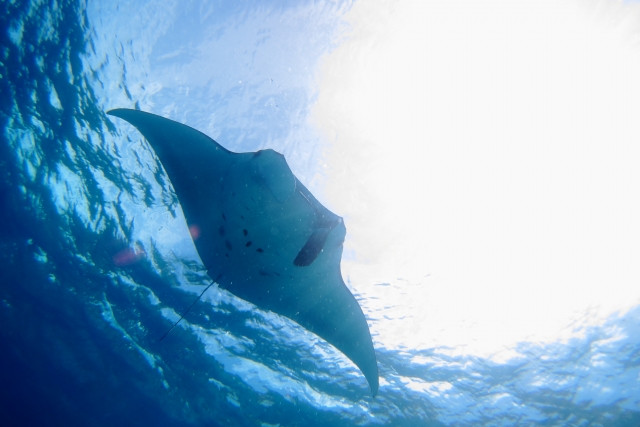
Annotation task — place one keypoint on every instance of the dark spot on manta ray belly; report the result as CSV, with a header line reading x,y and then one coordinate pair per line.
x,y
260,250
228,244
245,232
221,230
248,243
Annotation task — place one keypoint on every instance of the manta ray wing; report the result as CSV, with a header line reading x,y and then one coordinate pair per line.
x,y
263,235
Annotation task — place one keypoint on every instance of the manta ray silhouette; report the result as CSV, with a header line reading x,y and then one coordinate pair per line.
x,y
262,234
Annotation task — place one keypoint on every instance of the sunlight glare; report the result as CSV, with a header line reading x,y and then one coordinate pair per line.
x,y
488,151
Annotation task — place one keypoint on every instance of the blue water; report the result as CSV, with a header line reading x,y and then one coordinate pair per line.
x,y
97,262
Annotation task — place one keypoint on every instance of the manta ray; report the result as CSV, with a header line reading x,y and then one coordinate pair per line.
x,y
261,234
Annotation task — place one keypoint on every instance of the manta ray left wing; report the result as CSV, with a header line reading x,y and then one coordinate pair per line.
x,y
263,235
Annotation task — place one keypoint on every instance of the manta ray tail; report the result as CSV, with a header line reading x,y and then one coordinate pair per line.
x,y
184,313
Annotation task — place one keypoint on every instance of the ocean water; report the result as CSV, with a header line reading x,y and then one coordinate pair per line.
x,y
97,261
